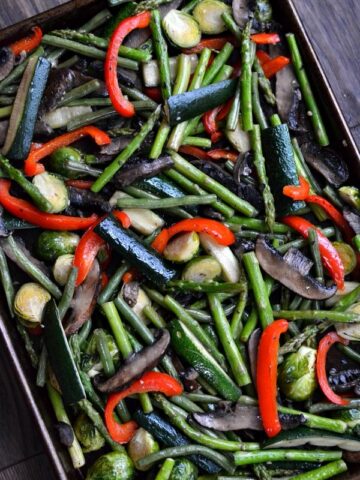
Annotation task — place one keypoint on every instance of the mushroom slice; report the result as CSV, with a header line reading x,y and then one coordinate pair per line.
x,y
7,62
146,359
241,11
289,275
239,418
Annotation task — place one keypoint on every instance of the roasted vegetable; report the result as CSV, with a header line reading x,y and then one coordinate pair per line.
x,y
297,374
181,29
50,245
53,189
141,445
87,434
62,268
112,466
29,303
208,14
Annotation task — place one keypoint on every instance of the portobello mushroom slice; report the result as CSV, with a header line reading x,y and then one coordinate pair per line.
x,y
327,162
4,125
344,380
134,366
88,200
353,218
84,300
145,169
288,274
297,119
7,61
241,10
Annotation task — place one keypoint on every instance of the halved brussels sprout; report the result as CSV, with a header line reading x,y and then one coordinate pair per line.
x,y
29,303
350,331
53,189
141,445
51,244
112,466
208,14
184,470
350,195
347,255
202,269
297,374
89,436
181,29
182,248
62,268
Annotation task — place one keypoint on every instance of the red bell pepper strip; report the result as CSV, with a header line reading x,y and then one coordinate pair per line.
x,y
329,255
149,382
265,38
266,375
104,280
263,56
123,218
194,152
298,192
225,109
27,43
130,275
154,93
218,231
123,106
210,125
81,184
324,346
222,154
49,221
38,152
216,43
275,65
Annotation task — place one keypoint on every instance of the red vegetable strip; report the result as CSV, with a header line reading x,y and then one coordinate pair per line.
x,y
123,106
49,221
329,255
81,184
218,231
104,280
263,56
149,382
123,218
130,275
298,192
265,38
275,65
225,109
38,151
194,152
222,154
27,43
216,43
154,93
323,349
210,125
266,375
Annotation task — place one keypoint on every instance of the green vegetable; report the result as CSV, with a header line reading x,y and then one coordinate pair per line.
x,y
297,374
245,80
64,116
350,195
89,437
69,290
50,244
182,248
141,445
181,29
69,162
165,470
201,269
248,458
112,466
207,287
184,470
151,73
208,14
29,304
62,268
327,471
350,331
25,109
238,138
161,51
53,190
189,347
7,282
126,10
347,256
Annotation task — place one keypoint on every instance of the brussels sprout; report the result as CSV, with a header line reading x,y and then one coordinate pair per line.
x,y
50,245
347,255
202,269
350,331
62,268
350,195
87,434
112,466
183,248
297,374
59,160
184,470
29,303
263,11
91,351
141,445
208,14
53,189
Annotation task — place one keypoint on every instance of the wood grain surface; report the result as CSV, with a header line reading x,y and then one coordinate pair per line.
x,y
334,28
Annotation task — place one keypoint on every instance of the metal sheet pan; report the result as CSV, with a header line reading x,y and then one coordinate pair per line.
x,y
68,14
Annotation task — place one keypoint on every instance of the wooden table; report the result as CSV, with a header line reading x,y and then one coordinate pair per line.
x,y
335,30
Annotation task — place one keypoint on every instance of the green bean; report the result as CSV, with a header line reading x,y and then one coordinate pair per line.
x,y
68,294
189,7
69,62
5,112
236,321
7,282
113,284
138,95
259,225
314,247
322,473
349,352
165,470
301,243
128,151
42,368
202,398
90,391
283,454
347,300
164,203
232,353
245,80
233,115
154,317
161,52
331,316
75,452
104,352
249,325
6,100
219,61
118,329
80,92
86,50
84,332
256,104
207,287
197,142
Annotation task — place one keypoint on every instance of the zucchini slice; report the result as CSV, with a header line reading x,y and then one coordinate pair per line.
x,y
181,29
202,269
303,435
25,109
182,248
208,14
60,356
229,263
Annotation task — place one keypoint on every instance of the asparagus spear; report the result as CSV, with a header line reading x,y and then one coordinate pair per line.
x,y
262,456
256,105
166,469
7,282
331,316
161,52
322,473
245,80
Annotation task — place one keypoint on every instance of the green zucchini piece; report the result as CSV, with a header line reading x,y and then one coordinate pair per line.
x,y
145,259
60,357
50,244
185,106
202,269
13,223
208,14
124,11
187,346
53,189
170,436
181,29
25,109
280,167
321,438
182,248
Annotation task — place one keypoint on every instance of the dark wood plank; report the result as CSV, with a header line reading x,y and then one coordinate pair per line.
x,y
334,29
12,12
37,467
